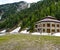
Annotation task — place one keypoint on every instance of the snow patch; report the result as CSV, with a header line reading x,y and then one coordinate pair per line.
x,y
24,32
29,5
56,34
45,33
16,30
35,33
38,33
2,34
3,31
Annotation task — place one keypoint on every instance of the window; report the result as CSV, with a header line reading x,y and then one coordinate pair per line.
x,y
43,25
53,30
48,30
53,25
38,29
36,26
57,30
48,25
57,25
43,30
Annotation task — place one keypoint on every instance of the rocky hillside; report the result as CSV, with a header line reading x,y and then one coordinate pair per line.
x,y
12,8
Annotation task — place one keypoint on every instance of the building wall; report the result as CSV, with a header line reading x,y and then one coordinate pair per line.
x,y
47,27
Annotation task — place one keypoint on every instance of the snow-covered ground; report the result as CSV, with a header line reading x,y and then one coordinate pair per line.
x,y
35,33
3,31
16,30
24,32
45,33
56,34
2,34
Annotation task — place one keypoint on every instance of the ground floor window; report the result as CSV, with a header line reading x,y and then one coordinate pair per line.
x,y
57,30
38,30
48,30
43,30
57,25
53,30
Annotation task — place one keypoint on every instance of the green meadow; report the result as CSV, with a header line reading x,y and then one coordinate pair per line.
x,y
29,42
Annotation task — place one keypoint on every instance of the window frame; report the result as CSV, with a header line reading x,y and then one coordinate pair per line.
x,y
43,30
53,25
43,25
48,24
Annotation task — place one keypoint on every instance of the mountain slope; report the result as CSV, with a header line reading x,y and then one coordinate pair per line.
x,y
13,8
28,17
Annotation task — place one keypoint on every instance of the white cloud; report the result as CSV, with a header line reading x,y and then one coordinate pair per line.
x,y
11,1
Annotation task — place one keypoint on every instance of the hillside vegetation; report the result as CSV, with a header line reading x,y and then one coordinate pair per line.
x,y
29,16
29,42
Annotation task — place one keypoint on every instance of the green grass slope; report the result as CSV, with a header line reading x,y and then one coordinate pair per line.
x,y
29,42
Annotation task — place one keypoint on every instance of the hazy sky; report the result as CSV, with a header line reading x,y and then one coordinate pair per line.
x,y
11,1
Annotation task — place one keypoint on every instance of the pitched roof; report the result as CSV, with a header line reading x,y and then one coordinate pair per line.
x,y
49,19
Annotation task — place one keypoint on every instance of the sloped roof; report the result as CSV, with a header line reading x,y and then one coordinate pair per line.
x,y
49,19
